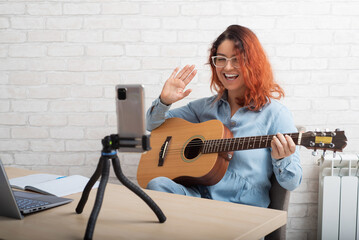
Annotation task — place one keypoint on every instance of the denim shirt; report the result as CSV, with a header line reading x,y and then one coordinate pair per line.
x,y
247,179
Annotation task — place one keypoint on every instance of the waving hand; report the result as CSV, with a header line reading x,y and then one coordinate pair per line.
x,y
174,88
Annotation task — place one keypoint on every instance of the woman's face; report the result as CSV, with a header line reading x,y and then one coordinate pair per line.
x,y
228,72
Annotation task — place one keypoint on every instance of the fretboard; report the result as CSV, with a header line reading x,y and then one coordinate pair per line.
x,y
242,143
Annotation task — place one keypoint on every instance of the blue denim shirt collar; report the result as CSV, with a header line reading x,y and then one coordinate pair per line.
x,y
224,98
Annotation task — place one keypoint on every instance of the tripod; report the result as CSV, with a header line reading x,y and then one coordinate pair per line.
x,y
109,146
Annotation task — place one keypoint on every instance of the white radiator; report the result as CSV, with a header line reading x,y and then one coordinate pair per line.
x,y
338,197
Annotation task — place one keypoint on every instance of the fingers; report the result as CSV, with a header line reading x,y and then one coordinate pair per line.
x,y
282,146
291,144
174,72
190,77
187,92
185,72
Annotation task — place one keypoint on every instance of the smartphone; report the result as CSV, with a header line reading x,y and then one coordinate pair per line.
x,y
130,109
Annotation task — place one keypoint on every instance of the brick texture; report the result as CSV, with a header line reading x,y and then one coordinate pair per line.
x,y
60,62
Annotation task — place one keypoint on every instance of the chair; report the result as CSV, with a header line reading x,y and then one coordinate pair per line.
x,y
279,200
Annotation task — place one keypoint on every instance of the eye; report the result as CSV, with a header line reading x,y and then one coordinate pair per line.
x,y
221,59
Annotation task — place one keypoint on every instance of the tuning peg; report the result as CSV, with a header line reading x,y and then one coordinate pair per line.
x,y
315,153
332,134
337,129
326,130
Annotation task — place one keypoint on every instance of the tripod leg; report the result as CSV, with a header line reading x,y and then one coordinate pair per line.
x,y
138,191
89,185
99,198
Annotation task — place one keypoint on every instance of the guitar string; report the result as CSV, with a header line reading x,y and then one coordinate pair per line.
x,y
179,147
223,143
219,147
244,140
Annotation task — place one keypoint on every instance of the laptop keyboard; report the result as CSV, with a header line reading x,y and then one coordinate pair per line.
x,y
25,203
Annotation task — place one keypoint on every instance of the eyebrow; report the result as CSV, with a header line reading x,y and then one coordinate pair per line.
x,y
221,54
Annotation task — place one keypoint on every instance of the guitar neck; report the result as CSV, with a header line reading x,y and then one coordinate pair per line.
x,y
242,143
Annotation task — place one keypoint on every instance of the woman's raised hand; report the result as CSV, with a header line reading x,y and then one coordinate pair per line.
x,y
174,88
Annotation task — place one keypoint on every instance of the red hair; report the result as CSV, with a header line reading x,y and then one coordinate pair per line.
x,y
255,68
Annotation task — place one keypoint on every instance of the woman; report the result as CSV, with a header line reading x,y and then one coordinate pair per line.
x,y
245,103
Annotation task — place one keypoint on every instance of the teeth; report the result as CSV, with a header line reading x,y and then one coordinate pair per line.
x,y
231,76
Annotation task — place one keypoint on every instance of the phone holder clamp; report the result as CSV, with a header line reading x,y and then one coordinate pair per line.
x,y
110,144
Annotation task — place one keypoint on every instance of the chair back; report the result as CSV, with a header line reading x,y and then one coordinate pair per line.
x,y
279,200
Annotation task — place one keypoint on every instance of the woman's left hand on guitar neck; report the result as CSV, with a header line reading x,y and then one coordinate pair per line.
x,y
282,146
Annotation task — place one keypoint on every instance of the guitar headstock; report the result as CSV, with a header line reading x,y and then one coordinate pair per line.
x,y
324,140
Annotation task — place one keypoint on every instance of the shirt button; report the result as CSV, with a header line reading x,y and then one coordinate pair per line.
x,y
233,123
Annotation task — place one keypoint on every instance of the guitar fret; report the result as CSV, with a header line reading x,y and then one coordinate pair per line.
x,y
208,148
213,148
234,144
248,143
264,142
216,147
206,144
241,143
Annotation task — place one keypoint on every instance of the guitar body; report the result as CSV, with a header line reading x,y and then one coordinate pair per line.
x,y
184,167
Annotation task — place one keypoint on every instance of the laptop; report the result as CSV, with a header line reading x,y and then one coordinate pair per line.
x,y
15,204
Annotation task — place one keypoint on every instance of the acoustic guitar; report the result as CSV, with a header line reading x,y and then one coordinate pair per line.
x,y
199,153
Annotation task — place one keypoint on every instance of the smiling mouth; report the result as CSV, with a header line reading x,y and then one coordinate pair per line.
x,y
230,77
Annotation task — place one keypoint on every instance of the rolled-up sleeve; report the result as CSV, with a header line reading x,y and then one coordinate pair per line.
x,y
159,112
156,114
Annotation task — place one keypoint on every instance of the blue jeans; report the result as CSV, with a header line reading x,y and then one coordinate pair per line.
x,y
164,184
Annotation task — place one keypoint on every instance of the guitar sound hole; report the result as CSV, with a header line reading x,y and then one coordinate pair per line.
x,y
193,148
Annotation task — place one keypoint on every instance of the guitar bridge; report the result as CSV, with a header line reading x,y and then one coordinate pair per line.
x,y
163,151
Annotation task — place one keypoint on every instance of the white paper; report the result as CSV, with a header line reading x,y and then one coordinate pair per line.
x,y
22,182
52,184
63,186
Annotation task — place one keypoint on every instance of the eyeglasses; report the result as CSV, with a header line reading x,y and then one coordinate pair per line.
x,y
221,61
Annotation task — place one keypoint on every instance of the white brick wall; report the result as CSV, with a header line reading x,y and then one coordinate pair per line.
x,y
60,61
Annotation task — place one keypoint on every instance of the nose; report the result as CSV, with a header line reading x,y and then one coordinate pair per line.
x,y
228,65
